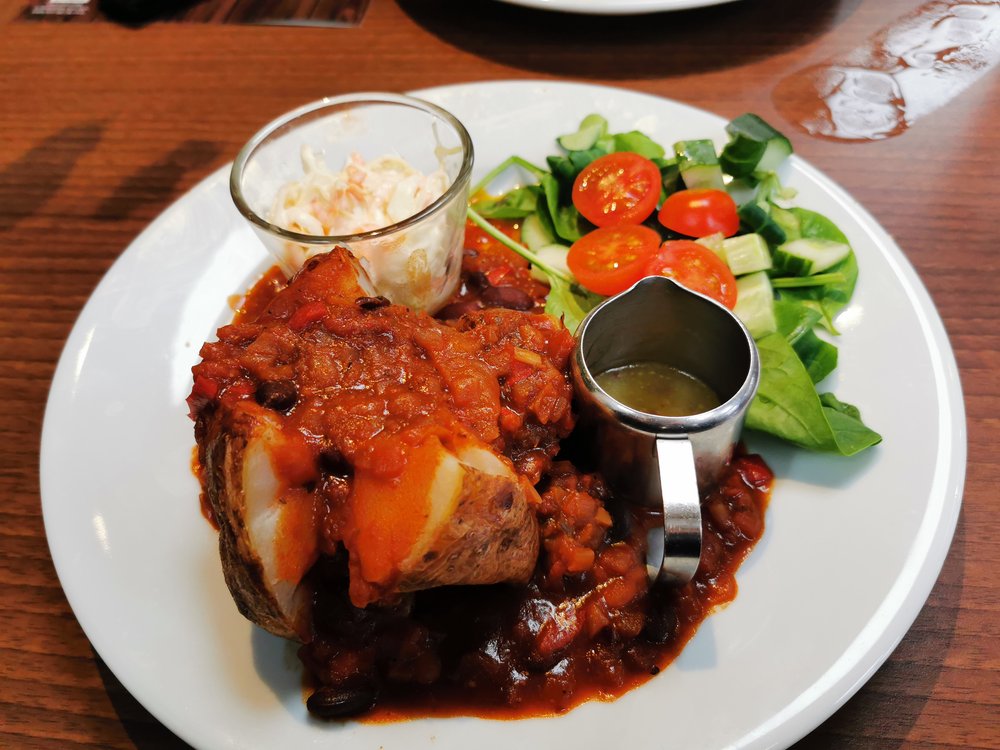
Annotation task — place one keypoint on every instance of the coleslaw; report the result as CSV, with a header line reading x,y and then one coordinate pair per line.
x,y
412,266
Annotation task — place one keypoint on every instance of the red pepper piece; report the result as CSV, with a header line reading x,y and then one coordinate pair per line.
x,y
496,275
306,315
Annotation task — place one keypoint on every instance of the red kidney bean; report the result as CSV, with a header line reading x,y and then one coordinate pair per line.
x,y
279,395
458,309
507,296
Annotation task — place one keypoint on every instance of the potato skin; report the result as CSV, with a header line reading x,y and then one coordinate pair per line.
x,y
224,448
492,537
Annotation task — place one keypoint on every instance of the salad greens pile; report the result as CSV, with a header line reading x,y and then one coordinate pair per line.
x,y
795,269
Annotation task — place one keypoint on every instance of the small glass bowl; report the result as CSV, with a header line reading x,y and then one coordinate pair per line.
x,y
415,261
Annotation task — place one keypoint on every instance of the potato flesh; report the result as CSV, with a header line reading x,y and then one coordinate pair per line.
x,y
267,515
246,493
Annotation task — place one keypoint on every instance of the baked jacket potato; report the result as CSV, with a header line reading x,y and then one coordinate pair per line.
x,y
334,419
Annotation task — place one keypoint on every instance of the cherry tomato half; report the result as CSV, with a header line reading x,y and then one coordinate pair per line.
x,y
620,188
700,212
697,268
611,259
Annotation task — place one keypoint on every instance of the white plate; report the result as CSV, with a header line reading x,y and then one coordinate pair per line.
x,y
615,7
851,550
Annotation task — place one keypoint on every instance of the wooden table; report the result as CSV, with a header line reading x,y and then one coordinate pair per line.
x,y
103,127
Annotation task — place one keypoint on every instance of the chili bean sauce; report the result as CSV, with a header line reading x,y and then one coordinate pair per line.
x,y
586,626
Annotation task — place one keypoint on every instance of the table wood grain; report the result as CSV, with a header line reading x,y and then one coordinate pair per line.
x,y
102,127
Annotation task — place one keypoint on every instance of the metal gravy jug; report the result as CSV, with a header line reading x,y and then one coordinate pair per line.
x,y
660,461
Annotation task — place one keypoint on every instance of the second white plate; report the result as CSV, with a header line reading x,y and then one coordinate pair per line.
x,y
615,7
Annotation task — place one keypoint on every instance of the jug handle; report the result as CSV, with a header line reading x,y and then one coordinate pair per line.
x,y
675,551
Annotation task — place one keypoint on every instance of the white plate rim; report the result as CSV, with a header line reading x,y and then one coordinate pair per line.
x,y
872,646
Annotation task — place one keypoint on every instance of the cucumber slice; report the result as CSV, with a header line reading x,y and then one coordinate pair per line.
x,y
809,256
778,149
699,164
591,129
639,143
553,255
714,242
756,219
534,233
742,190
788,222
605,144
755,304
754,146
747,253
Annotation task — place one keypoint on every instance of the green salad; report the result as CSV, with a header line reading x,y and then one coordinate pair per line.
x,y
611,208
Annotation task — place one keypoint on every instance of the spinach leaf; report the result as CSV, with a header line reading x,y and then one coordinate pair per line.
x,y
845,420
571,302
565,219
795,319
545,218
788,406
812,224
566,168
516,204
582,159
830,401
562,169
796,322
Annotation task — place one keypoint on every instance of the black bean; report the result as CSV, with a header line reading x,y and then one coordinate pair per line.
x,y
640,657
340,703
621,516
333,462
279,395
458,309
333,567
371,303
507,296
661,620
476,281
